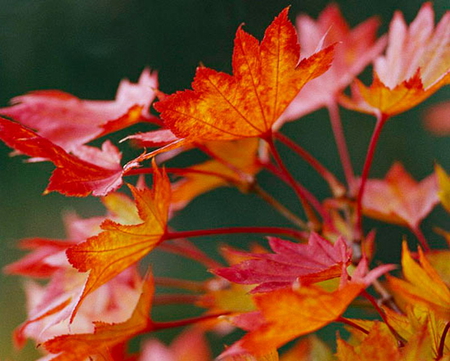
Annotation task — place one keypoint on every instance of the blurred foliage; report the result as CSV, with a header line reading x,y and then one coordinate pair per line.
x,y
86,47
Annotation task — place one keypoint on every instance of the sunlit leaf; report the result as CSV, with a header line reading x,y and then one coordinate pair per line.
x,y
316,261
416,65
266,77
287,314
90,170
421,285
120,246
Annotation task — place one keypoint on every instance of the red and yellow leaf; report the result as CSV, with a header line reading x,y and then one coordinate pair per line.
x,y
421,285
310,348
444,186
91,170
266,78
76,347
390,101
119,246
288,314
378,345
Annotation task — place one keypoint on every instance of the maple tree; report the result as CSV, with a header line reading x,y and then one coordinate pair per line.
x,y
91,300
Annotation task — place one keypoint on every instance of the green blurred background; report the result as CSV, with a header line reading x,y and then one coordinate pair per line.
x,y
86,47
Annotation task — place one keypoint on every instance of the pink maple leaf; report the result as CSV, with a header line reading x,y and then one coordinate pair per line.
x,y
70,122
355,49
316,261
399,198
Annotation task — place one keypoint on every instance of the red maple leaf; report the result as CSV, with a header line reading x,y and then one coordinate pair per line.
x,y
316,261
91,170
70,122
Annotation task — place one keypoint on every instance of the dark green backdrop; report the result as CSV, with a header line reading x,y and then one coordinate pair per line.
x,y
86,47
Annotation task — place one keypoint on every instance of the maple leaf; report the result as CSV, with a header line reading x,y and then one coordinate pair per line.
x,y
91,170
266,77
70,122
399,198
309,349
75,347
316,261
444,186
439,261
415,66
355,49
36,264
121,245
50,306
421,285
421,328
286,314
378,345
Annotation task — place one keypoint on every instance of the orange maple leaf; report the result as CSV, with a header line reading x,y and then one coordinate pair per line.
x,y
266,78
378,345
119,246
76,347
422,285
309,348
288,313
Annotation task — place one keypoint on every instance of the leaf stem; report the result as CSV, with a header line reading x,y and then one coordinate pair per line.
x,y
381,120
171,299
336,187
279,207
193,286
380,311
156,326
352,324
421,238
186,249
341,144
181,172
233,230
440,351
299,190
